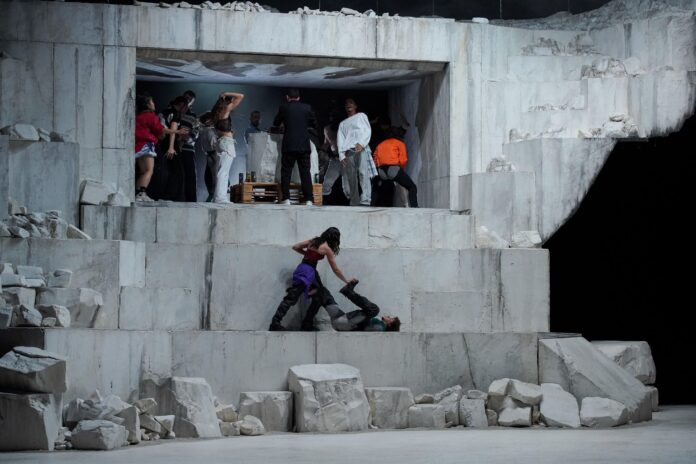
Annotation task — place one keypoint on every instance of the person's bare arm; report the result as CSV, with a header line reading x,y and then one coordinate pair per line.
x,y
328,252
171,151
301,247
237,99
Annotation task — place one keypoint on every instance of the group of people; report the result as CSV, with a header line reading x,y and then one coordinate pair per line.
x,y
167,141
165,151
306,281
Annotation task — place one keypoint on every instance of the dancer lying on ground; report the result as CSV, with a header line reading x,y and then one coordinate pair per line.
x,y
305,275
363,319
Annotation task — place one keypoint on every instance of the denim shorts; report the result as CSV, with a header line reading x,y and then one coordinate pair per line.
x,y
147,150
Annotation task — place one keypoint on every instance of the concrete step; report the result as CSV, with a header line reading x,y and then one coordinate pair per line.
x,y
102,265
279,225
233,362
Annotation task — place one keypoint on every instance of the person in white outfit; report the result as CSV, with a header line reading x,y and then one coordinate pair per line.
x,y
225,155
354,134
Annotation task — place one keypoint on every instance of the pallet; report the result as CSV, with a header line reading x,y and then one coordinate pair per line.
x,y
269,192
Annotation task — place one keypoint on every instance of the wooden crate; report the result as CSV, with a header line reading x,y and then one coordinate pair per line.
x,y
269,192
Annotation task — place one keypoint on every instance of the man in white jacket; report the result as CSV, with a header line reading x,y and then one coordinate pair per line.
x,y
354,153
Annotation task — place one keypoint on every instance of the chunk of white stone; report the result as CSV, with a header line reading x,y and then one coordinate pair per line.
x,y
94,193
558,408
479,20
145,404
48,322
6,268
328,398
96,407
655,397
6,313
426,415
14,280
635,357
633,66
19,232
472,412
477,395
227,413
76,233
230,429
500,164
131,421
526,239
19,296
30,369
513,414
30,272
425,398
21,131
389,406
60,313
251,426
190,399
489,239
492,417
149,423
84,304
60,278
29,421
525,393
498,387
34,283
167,423
26,316
273,408
98,435
602,412
449,400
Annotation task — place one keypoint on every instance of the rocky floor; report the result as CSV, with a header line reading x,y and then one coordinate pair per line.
x,y
667,439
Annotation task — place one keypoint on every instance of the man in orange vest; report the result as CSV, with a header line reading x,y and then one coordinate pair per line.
x,y
391,158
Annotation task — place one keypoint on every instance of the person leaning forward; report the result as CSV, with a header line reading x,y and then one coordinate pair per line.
x,y
297,118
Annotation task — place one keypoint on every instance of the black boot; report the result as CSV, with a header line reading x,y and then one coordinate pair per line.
x,y
349,287
276,327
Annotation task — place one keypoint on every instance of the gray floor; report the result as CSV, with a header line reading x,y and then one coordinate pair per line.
x,y
669,438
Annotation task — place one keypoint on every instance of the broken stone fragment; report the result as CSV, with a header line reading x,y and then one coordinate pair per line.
x,y
99,435
477,395
29,421
131,421
472,412
328,398
19,296
145,404
60,313
34,283
76,233
60,278
167,423
94,193
227,413
26,316
20,131
634,356
14,280
513,414
94,408
84,304
492,417
602,412
274,409
230,429
526,239
149,423
389,406
498,387
525,393
30,369
449,400
558,408
48,322
426,415
425,398
251,426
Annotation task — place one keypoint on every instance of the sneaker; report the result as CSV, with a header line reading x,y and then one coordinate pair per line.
x,y
309,203
350,285
142,196
276,327
285,202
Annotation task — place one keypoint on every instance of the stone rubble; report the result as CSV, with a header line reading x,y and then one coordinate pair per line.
x,y
472,412
61,314
274,409
500,164
84,304
449,400
30,369
328,398
389,406
131,421
98,435
39,225
526,393
251,426
227,413
602,412
514,414
427,415
230,429
558,408
25,316
167,423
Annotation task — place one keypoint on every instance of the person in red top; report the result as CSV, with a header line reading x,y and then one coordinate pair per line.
x,y
148,130
390,158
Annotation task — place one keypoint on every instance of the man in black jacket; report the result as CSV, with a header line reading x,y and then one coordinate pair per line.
x,y
297,118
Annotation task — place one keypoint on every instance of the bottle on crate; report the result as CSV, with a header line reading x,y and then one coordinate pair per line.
x,y
241,177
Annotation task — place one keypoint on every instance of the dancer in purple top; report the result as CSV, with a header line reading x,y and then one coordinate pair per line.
x,y
305,275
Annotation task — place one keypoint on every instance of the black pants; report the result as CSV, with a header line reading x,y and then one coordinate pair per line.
x,y
356,320
287,163
398,175
188,158
292,296
209,176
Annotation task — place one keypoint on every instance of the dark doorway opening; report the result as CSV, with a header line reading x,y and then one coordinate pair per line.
x,y
622,266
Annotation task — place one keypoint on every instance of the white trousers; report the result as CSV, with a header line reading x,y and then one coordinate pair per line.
x,y
223,163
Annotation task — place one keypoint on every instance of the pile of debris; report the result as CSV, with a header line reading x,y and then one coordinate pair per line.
x,y
344,12
31,298
208,5
29,133
23,224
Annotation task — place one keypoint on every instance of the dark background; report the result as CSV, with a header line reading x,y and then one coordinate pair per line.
x,y
457,9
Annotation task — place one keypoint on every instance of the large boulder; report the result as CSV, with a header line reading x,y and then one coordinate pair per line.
x,y
190,399
328,398
558,407
635,357
274,409
389,406
98,435
32,369
581,369
426,415
472,412
602,412
29,421
449,400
